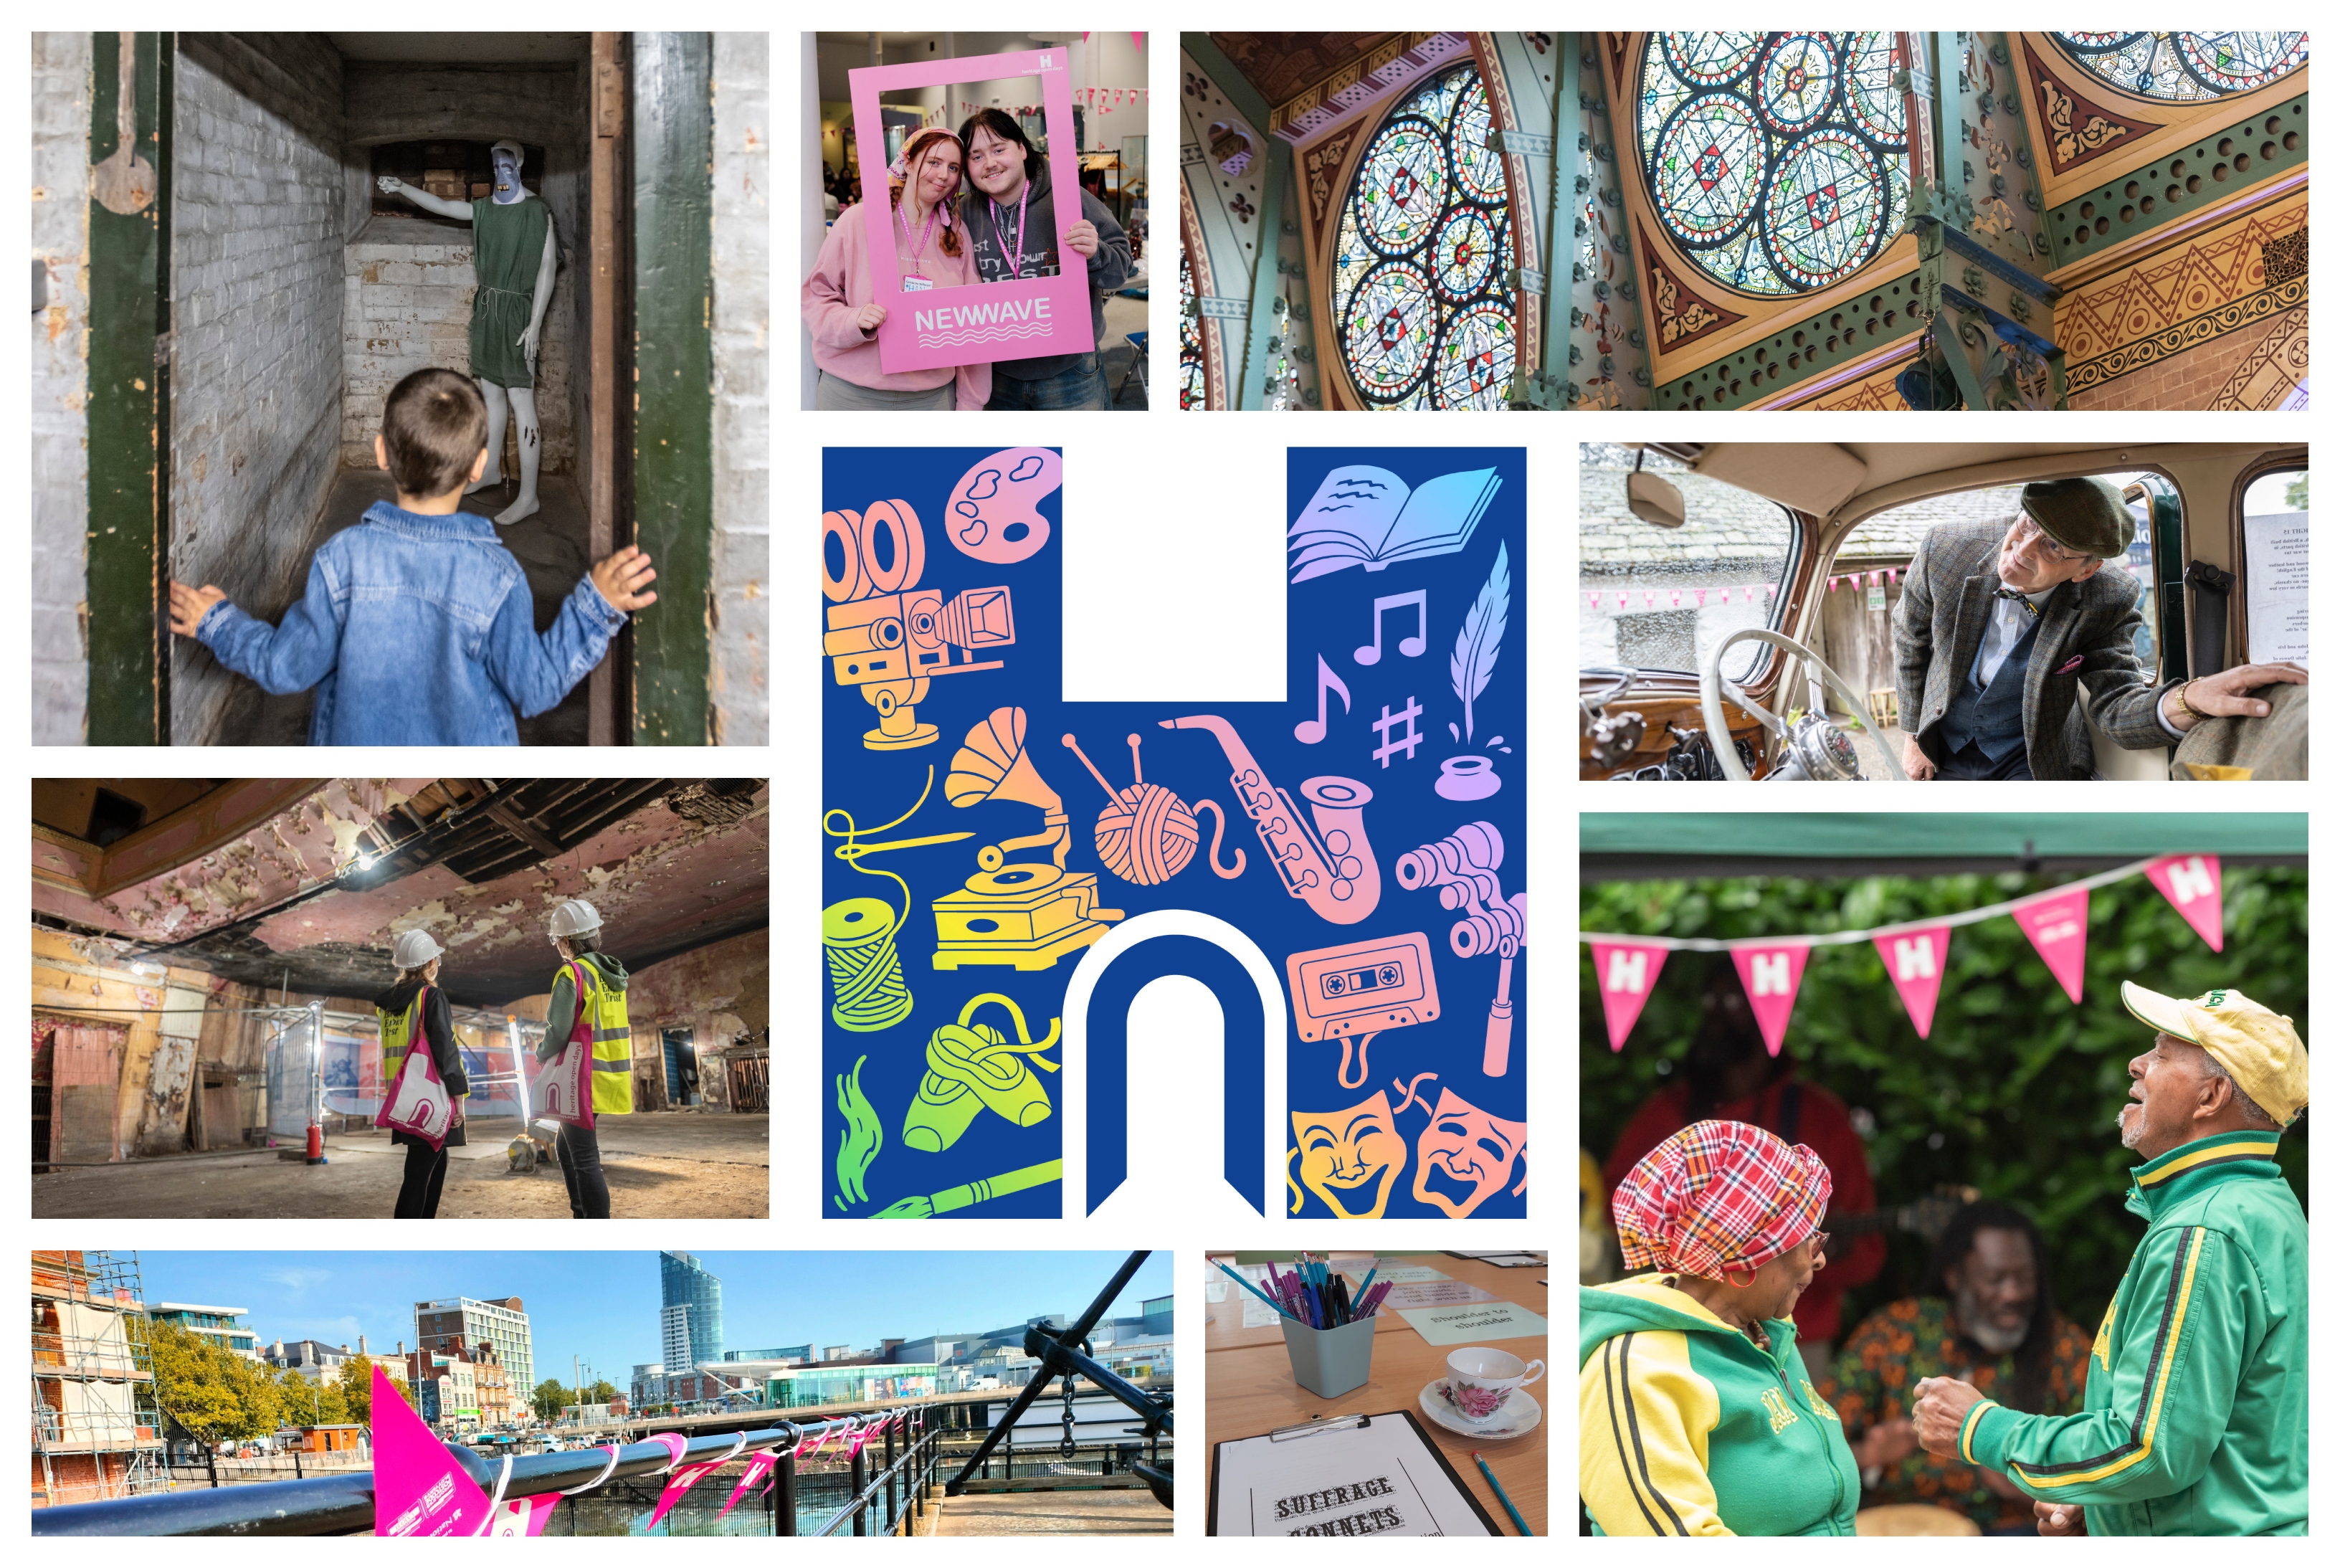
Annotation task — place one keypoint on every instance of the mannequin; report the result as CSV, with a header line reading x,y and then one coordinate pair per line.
x,y
515,256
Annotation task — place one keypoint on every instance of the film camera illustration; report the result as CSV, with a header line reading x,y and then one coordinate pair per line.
x,y
889,636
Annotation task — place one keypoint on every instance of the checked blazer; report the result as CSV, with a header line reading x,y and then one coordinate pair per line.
x,y
2087,633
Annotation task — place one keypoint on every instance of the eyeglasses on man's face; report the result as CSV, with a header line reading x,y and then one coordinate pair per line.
x,y
2027,532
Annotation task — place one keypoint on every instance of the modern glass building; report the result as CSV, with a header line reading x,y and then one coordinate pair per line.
x,y
697,1336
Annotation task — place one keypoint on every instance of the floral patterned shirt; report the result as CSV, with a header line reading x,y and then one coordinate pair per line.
x,y
1875,1380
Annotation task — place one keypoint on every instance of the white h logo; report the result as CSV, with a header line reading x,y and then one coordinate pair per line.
x,y
1913,958
2189,880
1629,972
1770,972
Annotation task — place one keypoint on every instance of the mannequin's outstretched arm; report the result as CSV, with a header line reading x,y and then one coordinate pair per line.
x,y
459,211
543,298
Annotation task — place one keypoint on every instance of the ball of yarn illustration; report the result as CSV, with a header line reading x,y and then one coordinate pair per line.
x,y
1146,835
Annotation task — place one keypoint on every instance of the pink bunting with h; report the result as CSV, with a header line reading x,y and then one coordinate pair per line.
x,y
1626,972
683,1479
1771,973
2058,925
759,1467
2191,884
1914,962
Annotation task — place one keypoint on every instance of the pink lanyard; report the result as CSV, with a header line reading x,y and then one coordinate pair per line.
x,y
1015,263
932,213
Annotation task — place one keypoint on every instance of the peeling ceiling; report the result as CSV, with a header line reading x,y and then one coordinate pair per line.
x,y
315,893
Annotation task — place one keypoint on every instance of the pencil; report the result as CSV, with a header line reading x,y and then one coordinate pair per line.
x,y
1500,1495
1247,1284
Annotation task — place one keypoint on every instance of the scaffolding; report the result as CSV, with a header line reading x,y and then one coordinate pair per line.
x,y
96,1426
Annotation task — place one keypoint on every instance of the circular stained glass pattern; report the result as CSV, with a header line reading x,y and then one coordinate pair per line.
x,y
2186,67
1423,312
1777,161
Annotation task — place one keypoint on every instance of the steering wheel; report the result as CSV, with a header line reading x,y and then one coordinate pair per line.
x,y
1712,687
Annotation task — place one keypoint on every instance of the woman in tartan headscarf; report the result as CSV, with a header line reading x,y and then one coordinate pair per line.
x,y
1694,1414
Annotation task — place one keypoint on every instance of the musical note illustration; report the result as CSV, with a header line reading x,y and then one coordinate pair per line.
x,y
1411,647
1309,731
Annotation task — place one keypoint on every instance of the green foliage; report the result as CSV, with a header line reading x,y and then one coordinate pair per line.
x,y
2016,1091
212,1393
601,1392
546,1398
353,1391
2294,496
298,1400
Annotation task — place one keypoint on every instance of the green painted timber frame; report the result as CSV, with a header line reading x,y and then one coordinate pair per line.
x,y
673,130
129,408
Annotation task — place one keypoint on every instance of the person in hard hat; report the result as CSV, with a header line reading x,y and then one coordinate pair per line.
x,y
398,1014
2194,1421
589,993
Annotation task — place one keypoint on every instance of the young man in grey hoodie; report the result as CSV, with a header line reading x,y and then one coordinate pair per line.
x,y
1011,219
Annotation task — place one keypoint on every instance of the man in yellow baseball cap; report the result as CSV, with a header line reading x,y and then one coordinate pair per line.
x,y
2194,1421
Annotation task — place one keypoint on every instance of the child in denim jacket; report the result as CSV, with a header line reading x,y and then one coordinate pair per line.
x,y
416,628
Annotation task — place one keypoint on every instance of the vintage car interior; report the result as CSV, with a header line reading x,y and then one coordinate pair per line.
x,y
1802,676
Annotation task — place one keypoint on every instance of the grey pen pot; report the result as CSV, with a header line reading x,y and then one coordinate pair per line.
x,y
1330,1362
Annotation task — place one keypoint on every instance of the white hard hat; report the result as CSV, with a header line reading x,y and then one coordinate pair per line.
x,y
414,949
575,918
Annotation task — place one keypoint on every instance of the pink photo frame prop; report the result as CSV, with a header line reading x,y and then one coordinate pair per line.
x,y
976,322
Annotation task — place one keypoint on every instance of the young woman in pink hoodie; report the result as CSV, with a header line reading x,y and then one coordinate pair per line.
x,y
929,243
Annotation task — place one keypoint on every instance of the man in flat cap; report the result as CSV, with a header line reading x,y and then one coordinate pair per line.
x,y
1997,631
2195,1418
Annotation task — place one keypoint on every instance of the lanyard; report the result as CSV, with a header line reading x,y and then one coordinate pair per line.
x,y
932,213
999,223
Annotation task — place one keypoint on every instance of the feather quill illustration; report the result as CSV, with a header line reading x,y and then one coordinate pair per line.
x,y
1481,636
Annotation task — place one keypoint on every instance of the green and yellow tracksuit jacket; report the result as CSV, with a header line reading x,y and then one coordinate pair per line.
x,y
1686,1428
2194,1421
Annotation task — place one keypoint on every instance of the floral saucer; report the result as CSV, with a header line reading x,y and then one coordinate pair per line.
x,y
1515,1417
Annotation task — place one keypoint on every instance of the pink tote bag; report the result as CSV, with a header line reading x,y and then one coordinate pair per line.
x,y
564,1085
418,1103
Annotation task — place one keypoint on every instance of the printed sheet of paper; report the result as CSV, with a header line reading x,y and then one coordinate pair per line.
x,y
1475,1324
2276,548
1381,1479
1257,1314
1436,1292
1412,1273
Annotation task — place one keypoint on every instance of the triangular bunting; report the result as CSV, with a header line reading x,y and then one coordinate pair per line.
x,y
418,1487
758,1466
1914,962
2058,925
1771,975
516,1517
1626,973
2191,883
683,1480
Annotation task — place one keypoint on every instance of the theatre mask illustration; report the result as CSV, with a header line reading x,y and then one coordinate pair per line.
x,y
1003,870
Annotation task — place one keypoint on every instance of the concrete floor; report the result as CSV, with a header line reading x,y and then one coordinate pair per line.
x,y
1130,1512
551,546
662,1165
1122,317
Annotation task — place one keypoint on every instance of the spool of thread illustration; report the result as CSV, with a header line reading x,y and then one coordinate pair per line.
x,y
864,969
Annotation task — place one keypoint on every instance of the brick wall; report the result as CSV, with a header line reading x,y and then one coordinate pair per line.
x,y
2188,380
407,306
256,383
742,266
59,412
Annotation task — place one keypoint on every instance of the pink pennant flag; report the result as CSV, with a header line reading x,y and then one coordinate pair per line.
x,y
759,1467
681,1481
2191,883
1595,597
1627,973
1771,975
1621,598
1649,598
1676,600
1701,599
516,1518
1915,960
418,1487
2058,925
1725,596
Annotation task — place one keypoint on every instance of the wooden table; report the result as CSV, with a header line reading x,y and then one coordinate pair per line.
x,y
1248,1387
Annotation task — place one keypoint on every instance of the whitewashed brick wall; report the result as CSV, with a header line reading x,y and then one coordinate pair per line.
x,y
59,412
742,351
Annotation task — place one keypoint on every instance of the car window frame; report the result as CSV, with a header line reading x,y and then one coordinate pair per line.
x,y
2277,460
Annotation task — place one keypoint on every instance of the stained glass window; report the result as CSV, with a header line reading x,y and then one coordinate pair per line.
x,y
2187,66
1778,161
1425,314
1194,385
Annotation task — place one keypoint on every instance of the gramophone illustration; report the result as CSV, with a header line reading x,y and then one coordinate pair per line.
x,y
1030,914
889,636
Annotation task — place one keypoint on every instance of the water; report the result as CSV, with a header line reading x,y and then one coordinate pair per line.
x,y
615,1513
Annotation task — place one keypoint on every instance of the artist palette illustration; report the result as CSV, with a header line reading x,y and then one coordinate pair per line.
x,y
981,835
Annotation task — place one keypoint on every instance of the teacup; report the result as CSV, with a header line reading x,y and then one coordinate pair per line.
x,y
1481,1378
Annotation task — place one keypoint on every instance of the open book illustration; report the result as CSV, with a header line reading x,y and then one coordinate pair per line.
x,y
1366,516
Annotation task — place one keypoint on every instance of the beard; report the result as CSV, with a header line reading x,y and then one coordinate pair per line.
x,y
2130,1132
1976,1323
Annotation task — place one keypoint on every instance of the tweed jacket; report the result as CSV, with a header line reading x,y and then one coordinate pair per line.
x,y
2087,634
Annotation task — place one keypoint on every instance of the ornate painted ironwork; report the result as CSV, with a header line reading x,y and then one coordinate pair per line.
x,y
1422,308
1777,161
1194,383
2187,67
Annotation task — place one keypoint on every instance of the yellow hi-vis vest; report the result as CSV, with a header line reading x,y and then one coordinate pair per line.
x,y
613,1039
398,1033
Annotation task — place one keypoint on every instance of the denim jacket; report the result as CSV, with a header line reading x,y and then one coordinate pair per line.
x,y
417,631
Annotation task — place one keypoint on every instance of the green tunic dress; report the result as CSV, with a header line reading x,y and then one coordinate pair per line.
x,y
507,248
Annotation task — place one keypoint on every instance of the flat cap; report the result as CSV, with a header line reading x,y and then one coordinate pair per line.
x,y
2082,515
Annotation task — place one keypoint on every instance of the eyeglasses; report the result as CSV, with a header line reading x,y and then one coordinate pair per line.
x,y
1819,1240
2029,531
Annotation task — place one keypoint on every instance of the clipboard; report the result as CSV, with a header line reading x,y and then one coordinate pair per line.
x,y
1503,1259
1379,1474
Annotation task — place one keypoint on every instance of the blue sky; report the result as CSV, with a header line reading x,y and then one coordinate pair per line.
x,y
604,1305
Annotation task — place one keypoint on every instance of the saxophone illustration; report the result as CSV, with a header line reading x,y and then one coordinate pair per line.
x,y
1324,857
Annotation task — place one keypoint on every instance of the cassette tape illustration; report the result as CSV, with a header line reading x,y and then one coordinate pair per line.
x,y
1361,987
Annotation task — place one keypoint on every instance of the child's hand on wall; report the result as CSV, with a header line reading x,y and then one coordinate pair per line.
x,y
190,605
618,579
